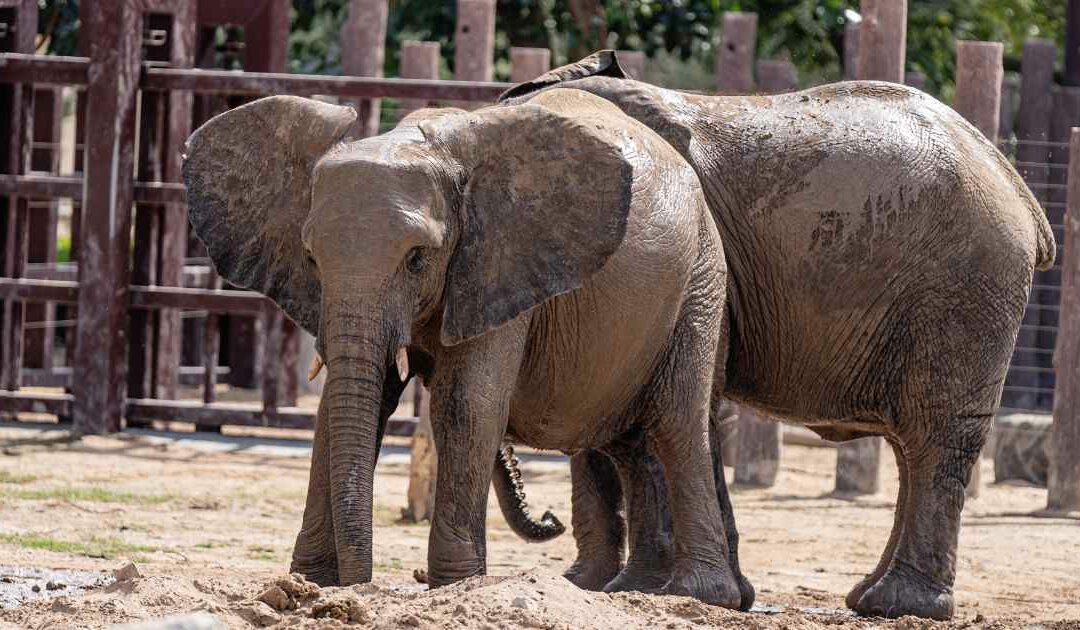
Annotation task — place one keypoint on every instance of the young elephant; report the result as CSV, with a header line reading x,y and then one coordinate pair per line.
x,y
554,264
881,251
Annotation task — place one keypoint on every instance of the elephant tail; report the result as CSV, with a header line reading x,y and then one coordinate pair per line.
x,y
511,495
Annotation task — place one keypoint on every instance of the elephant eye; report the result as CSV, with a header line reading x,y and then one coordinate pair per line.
x,y
415,261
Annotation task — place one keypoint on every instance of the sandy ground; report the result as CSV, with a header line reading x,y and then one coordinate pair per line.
x,y
210,524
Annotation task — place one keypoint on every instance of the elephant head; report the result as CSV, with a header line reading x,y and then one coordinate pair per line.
x,y
392,247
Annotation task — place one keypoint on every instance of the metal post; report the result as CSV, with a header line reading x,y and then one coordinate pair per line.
x,y
735,56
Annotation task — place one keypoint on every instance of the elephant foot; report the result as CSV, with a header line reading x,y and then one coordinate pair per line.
x,y
857,591
709,583
592,575
746,593
637,577
899,593
323,574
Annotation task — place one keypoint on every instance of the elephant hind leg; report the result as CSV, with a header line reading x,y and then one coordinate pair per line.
x,y
718,417
919,579
872,578
599,531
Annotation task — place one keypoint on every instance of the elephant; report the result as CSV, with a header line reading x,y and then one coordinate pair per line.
x,y
550,270
880,253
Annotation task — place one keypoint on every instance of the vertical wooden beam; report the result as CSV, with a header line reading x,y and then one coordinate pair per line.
x,y
419,60
271,374
363,41
735,56
851,49
979,75
474,40
528,63
266,38
775,77
882,35
1072,44
633,62
423,465
1063,483
103,266
1010,91
289,387
1033,158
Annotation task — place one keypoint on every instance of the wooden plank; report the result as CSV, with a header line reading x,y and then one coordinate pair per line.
x,y
419,60
25,402
43,70
882,35
735,56
218,300
1063,483
100,363
39,290
363,42
1072,44
528,63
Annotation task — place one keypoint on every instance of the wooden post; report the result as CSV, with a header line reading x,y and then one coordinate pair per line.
x,y
1072,44
1025,388
423,465
851,49
266,36
474,40
44,219
419,60
775,77
528,63
1063,483
100,362
979,75
735,56
633,62
882,34
363,40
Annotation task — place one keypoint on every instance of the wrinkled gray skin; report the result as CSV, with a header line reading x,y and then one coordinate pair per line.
x,y
880,253
553,267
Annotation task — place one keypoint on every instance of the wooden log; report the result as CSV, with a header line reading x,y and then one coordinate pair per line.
x,y
757,456
1033,157
419,60
633,62
882,32
979,74
735,56
774,77
851,49
100,363
423,466
1072,44
528,63
474,42
882,35
363,40
1063,482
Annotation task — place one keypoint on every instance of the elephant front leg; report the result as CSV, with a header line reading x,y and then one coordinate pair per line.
x,y
470,401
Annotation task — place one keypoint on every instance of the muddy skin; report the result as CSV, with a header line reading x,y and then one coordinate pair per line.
x,y
437,238
880,252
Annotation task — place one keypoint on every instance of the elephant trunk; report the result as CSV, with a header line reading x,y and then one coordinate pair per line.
x,y
509,490
354,396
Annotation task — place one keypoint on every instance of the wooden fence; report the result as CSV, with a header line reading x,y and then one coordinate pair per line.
x,y
148,77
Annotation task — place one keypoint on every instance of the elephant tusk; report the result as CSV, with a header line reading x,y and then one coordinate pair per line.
x,y
316,367
403,363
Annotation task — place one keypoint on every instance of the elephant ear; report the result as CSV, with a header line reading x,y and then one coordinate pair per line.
x,y
248,174
602,63
545,205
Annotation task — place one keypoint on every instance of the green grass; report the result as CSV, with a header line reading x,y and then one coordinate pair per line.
x,y
260,552
86,494
393,565
97,547
10,477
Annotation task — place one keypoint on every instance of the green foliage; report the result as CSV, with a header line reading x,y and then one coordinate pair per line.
x,y
95,547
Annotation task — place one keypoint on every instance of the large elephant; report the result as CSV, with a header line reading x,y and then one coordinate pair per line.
x,y
880,254
553,267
